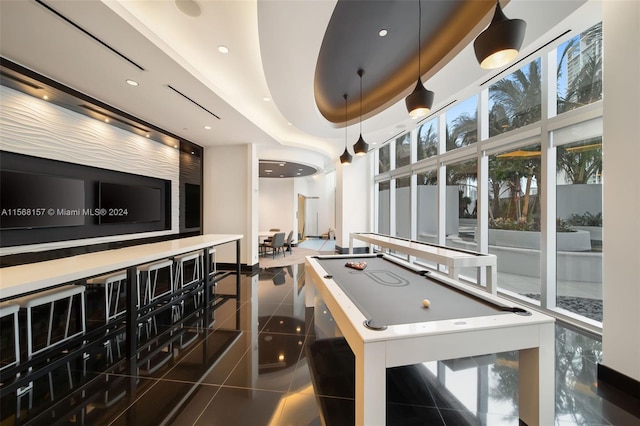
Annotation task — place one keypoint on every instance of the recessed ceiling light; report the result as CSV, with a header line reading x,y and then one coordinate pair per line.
x,y
106,120
383,32
223,49
132,82
266,99
289,124
192,152
175,146
45,97
207,127
148,135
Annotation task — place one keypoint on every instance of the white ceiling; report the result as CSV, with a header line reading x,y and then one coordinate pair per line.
x,y
273,46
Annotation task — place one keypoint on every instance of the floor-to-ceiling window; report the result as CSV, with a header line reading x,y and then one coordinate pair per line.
x,y
531,141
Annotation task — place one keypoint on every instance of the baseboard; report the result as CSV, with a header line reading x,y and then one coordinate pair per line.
x,y
619,389
244,268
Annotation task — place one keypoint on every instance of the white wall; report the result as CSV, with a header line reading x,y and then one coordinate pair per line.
x,y
230,199
621,321
353,199
278,204
38,128
279,201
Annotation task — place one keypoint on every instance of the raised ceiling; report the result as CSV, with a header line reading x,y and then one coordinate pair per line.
x,y
284,169
389,62
274,48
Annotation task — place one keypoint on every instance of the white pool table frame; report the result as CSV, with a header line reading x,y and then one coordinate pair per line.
x,y
407,344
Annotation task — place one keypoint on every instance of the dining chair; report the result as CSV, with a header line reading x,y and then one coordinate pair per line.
x,y
289,243
275,245
269,239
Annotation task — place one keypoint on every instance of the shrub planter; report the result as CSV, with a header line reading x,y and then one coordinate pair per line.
x,y
595,231
565,241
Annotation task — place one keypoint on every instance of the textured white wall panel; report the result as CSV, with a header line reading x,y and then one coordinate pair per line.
x,y
35,127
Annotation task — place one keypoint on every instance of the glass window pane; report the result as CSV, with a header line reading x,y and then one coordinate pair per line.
x,y
403,207
428,139
403,150
427,209
515,100
579,232
462,124
580,70
461,199
384,208
514,219
384,160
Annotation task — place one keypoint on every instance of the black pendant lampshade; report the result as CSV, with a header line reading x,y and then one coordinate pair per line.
x,y
346,157
500,42
420,101
360,147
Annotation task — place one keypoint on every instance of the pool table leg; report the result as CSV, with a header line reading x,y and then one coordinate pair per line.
x,y
371,384
537,380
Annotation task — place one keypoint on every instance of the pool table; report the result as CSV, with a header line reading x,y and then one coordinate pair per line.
x,y
379,310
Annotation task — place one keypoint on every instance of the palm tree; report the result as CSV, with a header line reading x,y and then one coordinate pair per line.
x,y
580,162
427,141
586,86
463,132
516,99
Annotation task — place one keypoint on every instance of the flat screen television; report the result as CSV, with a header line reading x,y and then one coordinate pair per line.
x,y
191,205
121,203
32,200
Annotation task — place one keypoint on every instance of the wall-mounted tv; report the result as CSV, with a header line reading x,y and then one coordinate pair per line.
x,y
32,200
191,206
121,203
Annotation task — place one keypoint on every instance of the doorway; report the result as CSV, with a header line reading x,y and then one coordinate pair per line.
x,y
307,217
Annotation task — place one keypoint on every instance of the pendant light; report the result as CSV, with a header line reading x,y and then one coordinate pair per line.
x,y
500,42
346,157
361,147
420,101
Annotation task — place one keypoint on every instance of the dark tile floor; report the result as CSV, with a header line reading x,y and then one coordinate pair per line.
x,y
248,365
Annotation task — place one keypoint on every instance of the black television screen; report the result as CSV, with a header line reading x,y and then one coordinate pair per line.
x,y
191,205
31,200
120,203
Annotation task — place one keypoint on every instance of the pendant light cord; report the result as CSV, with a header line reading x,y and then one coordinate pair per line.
x,y
419,37
345,120
360,72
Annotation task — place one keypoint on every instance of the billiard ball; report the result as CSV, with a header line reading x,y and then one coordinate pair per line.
x,y
426,303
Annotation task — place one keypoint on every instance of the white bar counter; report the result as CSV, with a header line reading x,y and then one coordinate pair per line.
x,y
22,279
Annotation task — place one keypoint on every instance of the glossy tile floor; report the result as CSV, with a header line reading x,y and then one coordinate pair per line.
x,y
248,365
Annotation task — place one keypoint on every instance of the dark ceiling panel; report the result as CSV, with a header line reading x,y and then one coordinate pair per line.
x,y
390,63
284,169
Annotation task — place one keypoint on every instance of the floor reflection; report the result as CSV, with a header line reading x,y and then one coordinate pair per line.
x,y
265,359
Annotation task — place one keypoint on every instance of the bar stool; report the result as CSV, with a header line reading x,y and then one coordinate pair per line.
x,y
106,303
50,319
109,295
154,282
188,278
213,270
10,341
155,287
53,317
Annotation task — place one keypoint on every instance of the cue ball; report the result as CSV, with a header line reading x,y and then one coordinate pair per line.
x,y
426,303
